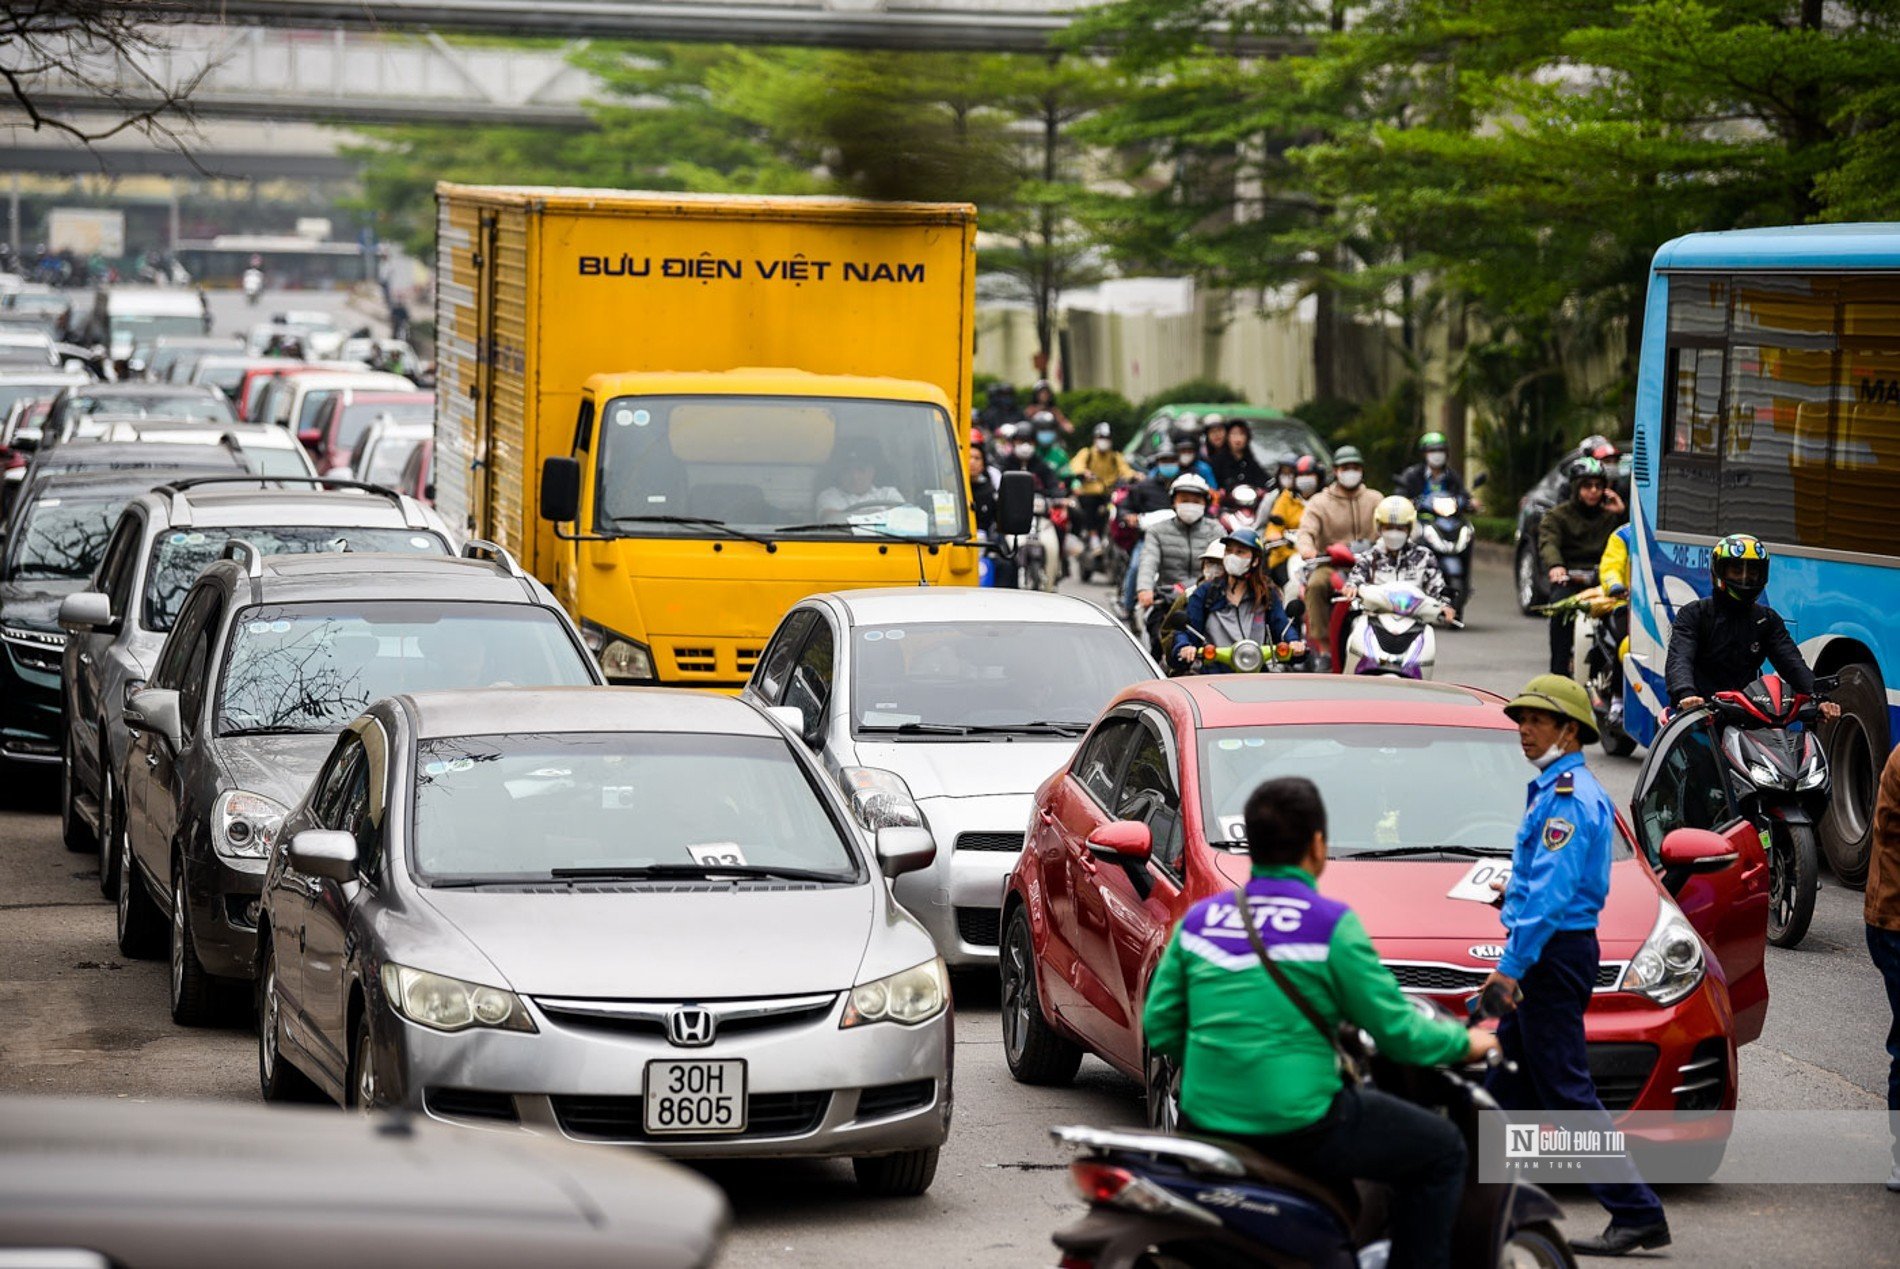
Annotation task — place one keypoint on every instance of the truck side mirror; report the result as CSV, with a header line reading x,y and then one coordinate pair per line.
x,y
1015,504
560,489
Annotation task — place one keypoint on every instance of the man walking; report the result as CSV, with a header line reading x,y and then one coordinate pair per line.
x,y
1883,932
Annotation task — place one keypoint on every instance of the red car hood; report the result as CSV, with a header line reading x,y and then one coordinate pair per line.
x,y
1402,902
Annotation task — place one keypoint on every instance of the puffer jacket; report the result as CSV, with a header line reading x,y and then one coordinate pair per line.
x,y
1172,554
1334,515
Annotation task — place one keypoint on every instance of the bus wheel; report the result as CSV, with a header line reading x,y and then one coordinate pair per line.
x,y
1856,746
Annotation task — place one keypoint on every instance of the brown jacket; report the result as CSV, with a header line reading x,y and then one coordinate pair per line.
x,y
1883,870
1333,515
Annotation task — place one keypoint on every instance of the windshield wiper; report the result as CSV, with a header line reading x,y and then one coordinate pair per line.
x,y
639,872
1397,852
269,731
855,530
918,729
704,522
1029,729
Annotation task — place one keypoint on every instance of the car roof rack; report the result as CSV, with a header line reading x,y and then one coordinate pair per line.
x,y
482,548
412,517
246,554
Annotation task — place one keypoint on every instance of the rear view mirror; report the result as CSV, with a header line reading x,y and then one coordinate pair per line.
x,y
1693,850
1016,504
789,717
85,612
904,849
1122,842
322,852
560,490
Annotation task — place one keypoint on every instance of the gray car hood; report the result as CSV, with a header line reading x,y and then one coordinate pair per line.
x,y
653,943
33,604
964,769
279,767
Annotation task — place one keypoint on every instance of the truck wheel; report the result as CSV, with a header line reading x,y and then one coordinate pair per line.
x,y
1856,745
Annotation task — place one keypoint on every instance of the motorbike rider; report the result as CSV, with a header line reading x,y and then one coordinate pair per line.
x,y
1571,538
1242,603
1187,453
1020,454
1042,400
1000,407
1433,474
1177,611
1299,480
1096,471
1235,1032
1232,460
1148,496
254,279
1396,557
1171,549
1213,438
1718,644
1241,509
1341,512
1560,876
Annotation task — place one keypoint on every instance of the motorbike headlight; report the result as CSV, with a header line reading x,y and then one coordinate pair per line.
x,y
449,1004
1813,772
879,798
1670,963
621,659
915,995
245,825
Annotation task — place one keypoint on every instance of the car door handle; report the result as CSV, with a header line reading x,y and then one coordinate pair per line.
x,y
1048,816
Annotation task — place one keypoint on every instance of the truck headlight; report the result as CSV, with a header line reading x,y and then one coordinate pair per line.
x,y
621,659
909,997
245,825
449,1004
1670,964
880,798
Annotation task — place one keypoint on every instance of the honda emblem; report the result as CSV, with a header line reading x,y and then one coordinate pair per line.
x,y
690,1027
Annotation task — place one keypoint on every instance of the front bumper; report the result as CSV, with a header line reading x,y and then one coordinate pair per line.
x,y
959,898
223,894
813,1089
31,711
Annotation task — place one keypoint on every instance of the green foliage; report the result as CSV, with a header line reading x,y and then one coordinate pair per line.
x,y
1194,391
1085,407
1494,528
1386,432
1329,417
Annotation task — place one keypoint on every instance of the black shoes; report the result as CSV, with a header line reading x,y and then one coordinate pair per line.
x,y
1620,1240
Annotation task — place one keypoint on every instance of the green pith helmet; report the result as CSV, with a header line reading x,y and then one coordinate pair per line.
x,y
1347,454
1433,440
1560,695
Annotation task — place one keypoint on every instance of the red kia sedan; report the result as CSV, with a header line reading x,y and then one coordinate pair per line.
x,y
1425,788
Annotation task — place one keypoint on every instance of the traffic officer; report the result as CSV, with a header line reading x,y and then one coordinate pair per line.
x,y
1560,875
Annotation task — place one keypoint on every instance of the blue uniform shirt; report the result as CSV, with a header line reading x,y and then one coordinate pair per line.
x,y
1560,869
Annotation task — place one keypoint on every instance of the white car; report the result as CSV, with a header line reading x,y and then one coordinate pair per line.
x,y
946,707
270,451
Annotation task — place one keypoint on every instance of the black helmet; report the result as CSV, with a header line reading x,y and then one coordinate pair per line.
x,y
1585,468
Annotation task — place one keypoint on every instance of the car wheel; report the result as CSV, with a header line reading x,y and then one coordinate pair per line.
x,y
362,1091
1035,1052
141,928
1163,1092
1526,570
192,987
897,1175
1537,1246
277,1079
72,825
111,816
1855,744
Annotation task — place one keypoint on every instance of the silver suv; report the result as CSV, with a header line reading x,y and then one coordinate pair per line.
x,y
160,543
270,657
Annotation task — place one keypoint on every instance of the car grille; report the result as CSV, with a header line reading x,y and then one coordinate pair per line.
x,y
895,1099
980,926
648,1018
470,1103
620,1118
1450,978
1703,1079
1620,1071
1009,843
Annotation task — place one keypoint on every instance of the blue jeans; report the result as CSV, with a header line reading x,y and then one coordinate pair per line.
x,y
1134,567
1884,947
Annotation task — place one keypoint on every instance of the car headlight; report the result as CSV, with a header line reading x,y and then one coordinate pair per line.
x,y
449,1004
879,798
245,825
621,659
1670,963
915,995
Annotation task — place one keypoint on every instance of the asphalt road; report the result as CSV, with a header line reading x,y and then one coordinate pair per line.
x,y
80,1019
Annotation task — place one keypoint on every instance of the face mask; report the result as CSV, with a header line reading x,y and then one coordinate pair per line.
x,y
1236,566
1045,438
1306,485
1394,539
1104,444
1350,479
1435,458
1209,571
1547,757
1189,512
1168,470
1025,449
1286,480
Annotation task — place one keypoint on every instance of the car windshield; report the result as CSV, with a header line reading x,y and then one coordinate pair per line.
x,y
312,407
198,405
1386,787
272,460
222,375
357,418
13,392
179,556
814,466
940,674
314,667
63,537
618,803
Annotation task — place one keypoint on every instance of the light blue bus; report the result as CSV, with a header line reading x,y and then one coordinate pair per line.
x,y
1768,402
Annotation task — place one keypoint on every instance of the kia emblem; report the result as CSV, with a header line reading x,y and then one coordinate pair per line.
x,y
690,1027
1486,951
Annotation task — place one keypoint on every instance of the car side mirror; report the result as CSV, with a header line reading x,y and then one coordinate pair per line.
x,y
323,852
1479,479
560,489
809,705
791,718
86,612
904,849
309,438
155,710
1122,842
1695,850
1016,504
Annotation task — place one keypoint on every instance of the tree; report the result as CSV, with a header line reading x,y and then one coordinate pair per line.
x,y
76,41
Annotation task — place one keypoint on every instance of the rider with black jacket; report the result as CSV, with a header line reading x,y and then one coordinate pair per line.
x,y
1718,644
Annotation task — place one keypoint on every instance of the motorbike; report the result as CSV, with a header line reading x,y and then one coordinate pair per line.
x,y
1598,642
1163,1200
253,286
1391,630
1781,777
1445,529
1248,656
1040,556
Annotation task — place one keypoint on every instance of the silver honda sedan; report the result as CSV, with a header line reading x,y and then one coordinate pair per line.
x,y
615,916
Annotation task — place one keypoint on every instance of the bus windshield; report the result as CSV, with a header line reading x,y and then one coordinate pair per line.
x,y
818,467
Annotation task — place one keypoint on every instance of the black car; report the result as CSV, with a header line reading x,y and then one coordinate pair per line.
x,y
1533,586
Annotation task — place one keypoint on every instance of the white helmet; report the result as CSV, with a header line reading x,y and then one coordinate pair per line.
x,y
1214,550
1395,512
1189,482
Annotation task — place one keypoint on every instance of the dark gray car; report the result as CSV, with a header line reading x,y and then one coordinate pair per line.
x,y
269,658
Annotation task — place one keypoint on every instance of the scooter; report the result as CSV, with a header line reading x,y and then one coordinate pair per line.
x,y
1445,529
1781,779
1391,630
1247,656
1597,645
1240,509
1041,553
1157,1199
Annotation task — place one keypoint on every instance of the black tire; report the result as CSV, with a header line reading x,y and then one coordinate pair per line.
x,y
1615,741
1793,861
277,1079
1539,1243
1036,1053
359,1093
194,992
904,1175
72,826
141,926
111,817
1163,1092
1856,745
1524,570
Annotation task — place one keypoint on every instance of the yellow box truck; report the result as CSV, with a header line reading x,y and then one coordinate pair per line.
x,y
684,413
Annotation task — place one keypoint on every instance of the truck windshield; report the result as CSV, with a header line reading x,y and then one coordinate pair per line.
x,y
814,467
